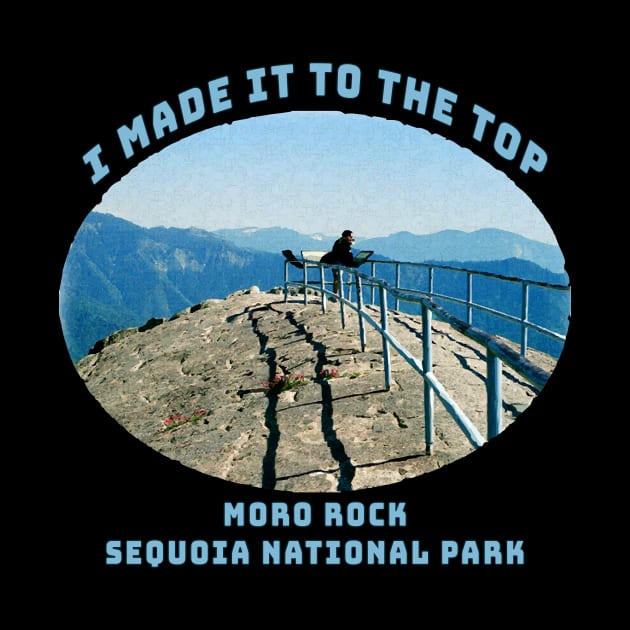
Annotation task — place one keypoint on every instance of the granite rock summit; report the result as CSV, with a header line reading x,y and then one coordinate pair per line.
x,y
276,394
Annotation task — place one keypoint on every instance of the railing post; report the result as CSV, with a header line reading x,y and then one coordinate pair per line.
x,y
340,293
469,299
524,316
431,274
305,282
397,301
350,275
372,273
427,366
386,360
322,284
360,313
495,400
286,279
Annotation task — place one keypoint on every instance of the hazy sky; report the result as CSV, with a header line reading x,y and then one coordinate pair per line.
x,y
323,172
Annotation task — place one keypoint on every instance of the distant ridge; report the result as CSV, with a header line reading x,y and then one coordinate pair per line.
x,y
447,245
275,239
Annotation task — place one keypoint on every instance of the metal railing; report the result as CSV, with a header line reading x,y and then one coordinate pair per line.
x,y
497,351
522,320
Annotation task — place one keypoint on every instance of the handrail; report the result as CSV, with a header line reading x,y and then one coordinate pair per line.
x,y
523,320
497,351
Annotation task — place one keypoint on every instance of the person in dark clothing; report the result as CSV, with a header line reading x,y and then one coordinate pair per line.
x,y
342,249
341,254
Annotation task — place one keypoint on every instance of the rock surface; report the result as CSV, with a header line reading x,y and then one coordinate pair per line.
x,y
334,428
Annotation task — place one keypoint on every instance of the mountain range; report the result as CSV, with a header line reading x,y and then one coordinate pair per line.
x,y
446,245
119,275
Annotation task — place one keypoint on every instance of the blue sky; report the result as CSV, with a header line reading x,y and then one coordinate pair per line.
x,y
323,172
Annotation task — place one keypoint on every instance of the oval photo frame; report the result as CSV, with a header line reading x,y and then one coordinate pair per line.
x,y
334,420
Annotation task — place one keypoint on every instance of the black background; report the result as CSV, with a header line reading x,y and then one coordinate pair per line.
x,y
97,483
